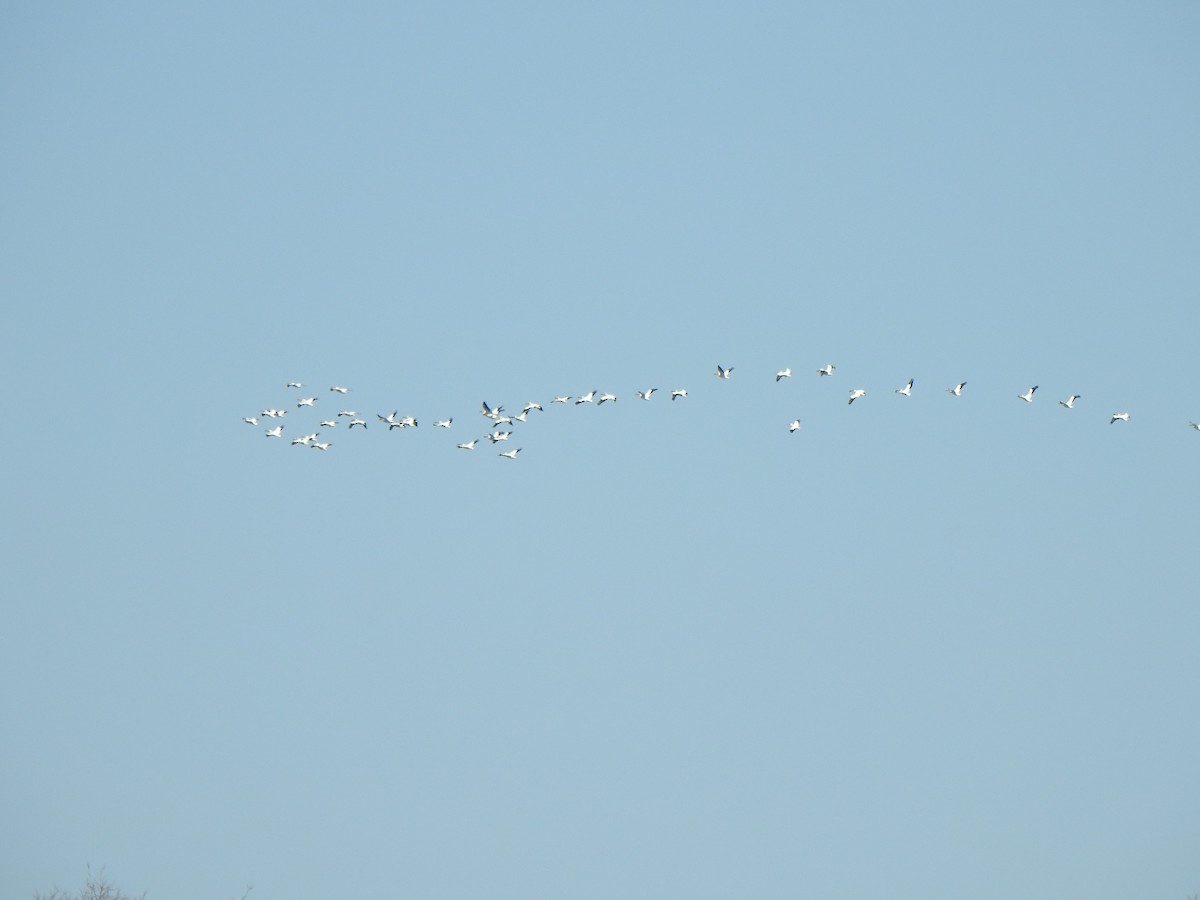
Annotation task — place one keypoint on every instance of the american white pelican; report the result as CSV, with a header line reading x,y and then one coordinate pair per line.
x,y
489,412
562,400
250,420
678,392
1195,425
724,373
586,398
468,445
905,391
604,397
532,406
1122,417
1028,395
340,390
957,389
794,425
855,394
332,423
497,436
782,373
520,417
444,423
306,401
646,395
826,369
294,384
316,445
511,454
1069,403
277,431
348,412
306,440
358,422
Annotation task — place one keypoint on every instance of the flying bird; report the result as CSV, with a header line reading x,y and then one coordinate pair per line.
x,y
586,398
511,454
332,423
782,373
468,445
444,423
794,425
1028,395
1123,417
1195,425
294,384
905,391
306,401
340,390
562,400
348,412
855,394
678,392
645,395
1069,403
316,445
358,422
957,389
277,431
531,406
604,397
724,373
250,420
826,369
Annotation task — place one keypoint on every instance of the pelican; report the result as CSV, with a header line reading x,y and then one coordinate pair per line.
x,y
521,417
1195,425
794,425
586,398
306,401
306,440
1069,403
294,384
905,391
957,389
273,413
489,412
317,445
444,423
497,436
1123,417
678,392
250,420
562,400
826,369
783,373
604,397
469,445
332,423
511,454
389,419
348,412
724,373
340,390
646,395
358,422
277,431
855,394
532,406
1028,395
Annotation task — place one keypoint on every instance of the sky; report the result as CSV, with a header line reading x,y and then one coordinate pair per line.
x,y
922,647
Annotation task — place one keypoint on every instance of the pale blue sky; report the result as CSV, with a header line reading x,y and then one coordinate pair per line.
x,y
932,647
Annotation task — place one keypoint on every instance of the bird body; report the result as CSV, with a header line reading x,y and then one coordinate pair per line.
x,y
468,445
826,369
855,394
340,390
1069,403
586,398
724,373
781,374
957,389
306,401
794,425
277,431
444,423
1119,417
1028,395
645,395
678,392
604,397
511,454
905,391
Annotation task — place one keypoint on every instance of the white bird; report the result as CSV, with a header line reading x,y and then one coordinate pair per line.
x,y
294,384
1195,425
358,422
957,389
250,420
277,431
1123,417
306,401
905,391
1069,403
444,423
389,419
562,400
340,390
496,436
1028,395
678,392
332,423
794,425
604,397
531,406
855,394
469,445
274,413
511,454
316,445
489,412
307,439
646,395
783,373
586,398
348,412
826,369
724,373
520,417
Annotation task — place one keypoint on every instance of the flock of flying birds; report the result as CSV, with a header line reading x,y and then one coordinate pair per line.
x,y
501,420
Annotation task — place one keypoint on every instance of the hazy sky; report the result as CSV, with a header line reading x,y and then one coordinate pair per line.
x,y
926,647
